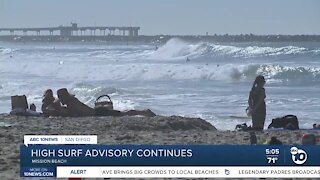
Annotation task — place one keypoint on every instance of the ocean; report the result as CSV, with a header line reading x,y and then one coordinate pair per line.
x,y
192,79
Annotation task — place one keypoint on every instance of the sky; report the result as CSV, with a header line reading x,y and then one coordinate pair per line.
x,y
169,17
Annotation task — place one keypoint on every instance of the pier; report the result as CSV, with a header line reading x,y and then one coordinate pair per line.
x,y
74,30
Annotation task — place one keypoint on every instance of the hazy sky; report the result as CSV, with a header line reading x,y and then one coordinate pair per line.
x,y
169,16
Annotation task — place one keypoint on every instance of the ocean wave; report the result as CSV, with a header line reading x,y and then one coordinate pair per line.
x,y
6,50
298,74
88,94
84,89
106,52
179,49
174,49
87,71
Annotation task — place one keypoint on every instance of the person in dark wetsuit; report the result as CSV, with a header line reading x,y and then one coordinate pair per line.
x,y
257,104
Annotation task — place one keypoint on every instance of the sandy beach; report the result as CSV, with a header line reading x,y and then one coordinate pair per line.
x,y
122,130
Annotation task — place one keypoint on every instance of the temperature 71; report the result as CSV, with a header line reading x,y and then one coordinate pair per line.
x,y
272,160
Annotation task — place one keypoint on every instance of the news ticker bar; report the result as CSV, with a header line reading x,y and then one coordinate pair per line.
x,y
187,172
168,155
133,161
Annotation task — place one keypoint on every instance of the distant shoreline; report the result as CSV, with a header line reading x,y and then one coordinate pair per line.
x,y
164,38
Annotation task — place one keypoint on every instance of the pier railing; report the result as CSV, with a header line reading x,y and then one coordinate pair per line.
x,y
74,30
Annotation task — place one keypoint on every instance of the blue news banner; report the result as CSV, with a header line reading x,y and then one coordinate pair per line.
x,y
42,160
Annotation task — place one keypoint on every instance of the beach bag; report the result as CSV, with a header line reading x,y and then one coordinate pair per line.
x,y
19,102
243,127
105,104
105,107
289,122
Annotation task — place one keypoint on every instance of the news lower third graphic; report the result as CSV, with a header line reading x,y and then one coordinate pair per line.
x,y
81,156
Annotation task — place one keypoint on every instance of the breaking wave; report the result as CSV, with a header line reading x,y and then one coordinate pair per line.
x,y
304,75
131,71
179,49
6,50
135,63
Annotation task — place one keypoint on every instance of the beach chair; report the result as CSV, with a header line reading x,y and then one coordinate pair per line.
x,y
19,102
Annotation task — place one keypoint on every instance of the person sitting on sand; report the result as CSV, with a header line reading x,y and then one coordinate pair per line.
x,y
78,109
33,107
74,107
50,105
257,104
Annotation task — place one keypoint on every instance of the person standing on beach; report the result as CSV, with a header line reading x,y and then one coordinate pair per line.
x,y
257,104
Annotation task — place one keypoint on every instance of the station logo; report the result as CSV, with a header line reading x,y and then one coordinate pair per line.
x,y
299,156
227,172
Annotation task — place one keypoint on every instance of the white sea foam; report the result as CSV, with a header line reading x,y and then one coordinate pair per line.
x,y
4,51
